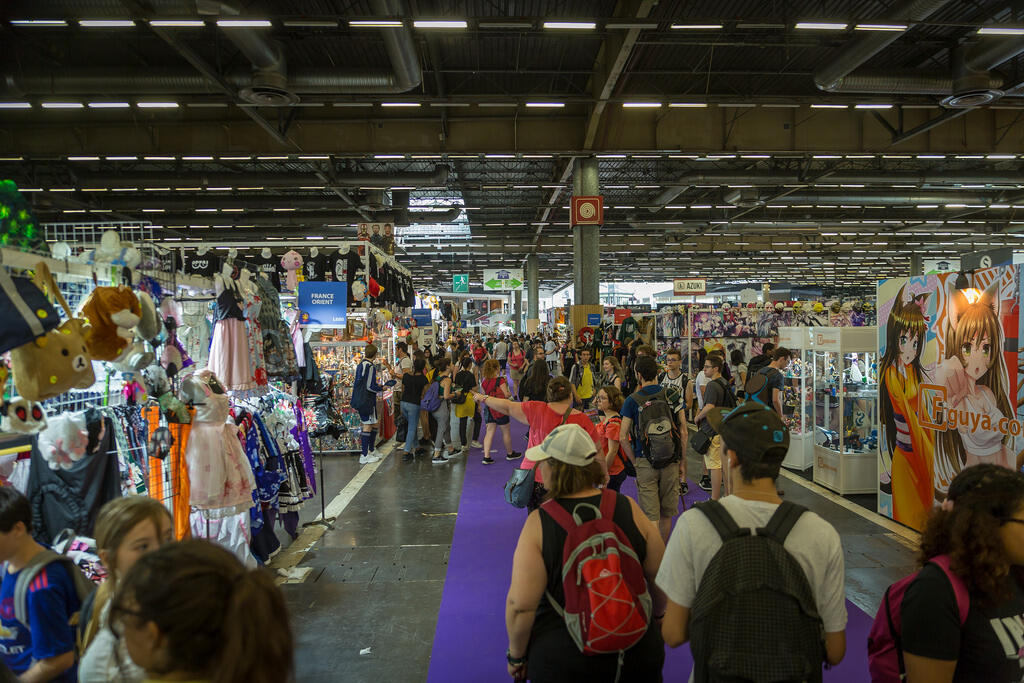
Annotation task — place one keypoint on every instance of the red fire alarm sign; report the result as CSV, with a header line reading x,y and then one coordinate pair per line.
x,y
588,210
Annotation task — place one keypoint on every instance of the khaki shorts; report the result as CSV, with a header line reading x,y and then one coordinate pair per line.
x,y
659,489
713,458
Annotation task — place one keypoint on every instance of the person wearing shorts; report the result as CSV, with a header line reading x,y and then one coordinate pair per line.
x,y
658,488
493,384
714,397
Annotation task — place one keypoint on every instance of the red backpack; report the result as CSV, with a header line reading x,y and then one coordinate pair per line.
x,y
607,605
885,648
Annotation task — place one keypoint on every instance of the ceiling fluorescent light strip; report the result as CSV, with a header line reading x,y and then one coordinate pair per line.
x,y
880,27
156,105
38,22
821,26
697,27
399,104
641,105
177,23
440,23
244,23
15,105
109,105
551,105
872,106
106,23
374,23
688,105
571,25
1000,31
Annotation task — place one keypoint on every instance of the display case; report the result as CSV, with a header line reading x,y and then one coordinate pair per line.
x,y
798,398
845,384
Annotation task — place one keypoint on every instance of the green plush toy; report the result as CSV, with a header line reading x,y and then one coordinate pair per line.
x,y
18,227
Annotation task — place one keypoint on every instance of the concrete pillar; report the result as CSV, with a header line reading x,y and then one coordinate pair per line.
x,y
586,239
517,311
532,287
916,265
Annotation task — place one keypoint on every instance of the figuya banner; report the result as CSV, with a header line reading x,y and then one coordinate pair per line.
x,y
946,388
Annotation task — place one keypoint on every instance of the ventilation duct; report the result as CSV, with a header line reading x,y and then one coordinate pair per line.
x,y
436,178
268,81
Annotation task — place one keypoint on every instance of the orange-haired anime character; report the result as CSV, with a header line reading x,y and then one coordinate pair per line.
x,y
910,447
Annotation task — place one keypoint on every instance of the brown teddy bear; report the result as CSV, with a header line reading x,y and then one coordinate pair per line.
x,y
113,312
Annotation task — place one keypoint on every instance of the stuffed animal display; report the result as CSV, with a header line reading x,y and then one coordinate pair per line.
x,y
54,363
23,416
112,312
64,440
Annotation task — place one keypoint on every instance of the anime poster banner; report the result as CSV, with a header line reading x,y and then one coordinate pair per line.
x,y
944,385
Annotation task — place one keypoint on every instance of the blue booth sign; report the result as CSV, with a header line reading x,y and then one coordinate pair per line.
x,y
593,319
422,316
323,303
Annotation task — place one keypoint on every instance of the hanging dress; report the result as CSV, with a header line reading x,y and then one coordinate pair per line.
x,y
254,333
194,332
229,351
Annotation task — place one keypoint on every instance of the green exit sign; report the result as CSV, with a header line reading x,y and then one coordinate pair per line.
x,y
460,284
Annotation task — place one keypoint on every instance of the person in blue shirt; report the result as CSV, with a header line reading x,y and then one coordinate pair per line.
x,y
43,649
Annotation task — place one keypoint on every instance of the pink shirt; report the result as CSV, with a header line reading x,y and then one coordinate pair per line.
x,y
542,419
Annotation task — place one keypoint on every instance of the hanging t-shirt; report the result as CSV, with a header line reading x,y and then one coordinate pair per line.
x,y
52,599
206,264
268,268
313,268
988,646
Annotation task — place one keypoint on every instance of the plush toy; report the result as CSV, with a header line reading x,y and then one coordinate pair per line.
x,y
112,251
54,363
138,356
834,306
149,326
160,386
23,416
291,262
63,442
797,306
779,307
726,306
818,307
112,312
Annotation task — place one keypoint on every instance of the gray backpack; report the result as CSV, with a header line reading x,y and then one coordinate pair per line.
x,y
83,586
657,428
754,617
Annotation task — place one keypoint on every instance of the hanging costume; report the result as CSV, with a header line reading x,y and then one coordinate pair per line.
x,y
229,350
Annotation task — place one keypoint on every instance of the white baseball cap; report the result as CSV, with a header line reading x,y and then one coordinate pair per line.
x,y
568,443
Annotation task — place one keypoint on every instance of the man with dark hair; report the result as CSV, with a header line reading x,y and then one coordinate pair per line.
x,y
585,378
658,488
756,442
673,376
42,648
767,385
761,360
716,395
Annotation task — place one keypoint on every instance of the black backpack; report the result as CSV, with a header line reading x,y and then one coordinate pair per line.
x,y
657,427
756,385
754,617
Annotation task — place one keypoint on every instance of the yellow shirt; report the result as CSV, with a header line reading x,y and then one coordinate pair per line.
x,y
587,383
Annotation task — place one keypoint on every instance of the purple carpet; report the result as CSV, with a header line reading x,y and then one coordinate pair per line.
x,y
470,640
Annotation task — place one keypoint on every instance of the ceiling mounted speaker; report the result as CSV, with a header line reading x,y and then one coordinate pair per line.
x,y
268,95
971,98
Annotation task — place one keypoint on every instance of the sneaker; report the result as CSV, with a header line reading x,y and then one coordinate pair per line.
x,y
451,455
438,459
374,456
407,456
464,450
488,461
705,483
476,444
364,459
684,488
513,456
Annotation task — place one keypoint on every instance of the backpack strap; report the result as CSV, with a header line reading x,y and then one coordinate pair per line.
x,y
28,574
963,598
608,502
559,514
783,521
720,518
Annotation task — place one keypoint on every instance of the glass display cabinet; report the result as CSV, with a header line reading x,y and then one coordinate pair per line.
x,y
845,385
798,397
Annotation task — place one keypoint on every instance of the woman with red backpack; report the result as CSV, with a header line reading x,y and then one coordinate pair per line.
x,y
561,630
959,617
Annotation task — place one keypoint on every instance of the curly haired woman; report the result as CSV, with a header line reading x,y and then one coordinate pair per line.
x,y
980,530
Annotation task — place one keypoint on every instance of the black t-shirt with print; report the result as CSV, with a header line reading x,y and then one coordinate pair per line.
x,y
268,267
986,648
313,268
205,265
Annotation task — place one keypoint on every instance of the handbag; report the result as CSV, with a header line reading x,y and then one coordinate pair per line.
x,y
700,441
627,465
519,487
57,361
25,310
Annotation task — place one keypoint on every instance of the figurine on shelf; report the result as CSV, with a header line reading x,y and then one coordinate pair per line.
x,y
831,438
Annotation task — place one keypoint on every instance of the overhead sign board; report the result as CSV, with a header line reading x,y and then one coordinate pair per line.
x,y
460,283
422,317
503,279
323,303
987,259
689,286
593,319
941,265
588,210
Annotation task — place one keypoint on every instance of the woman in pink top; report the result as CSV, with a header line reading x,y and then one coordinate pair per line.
x,y
542,417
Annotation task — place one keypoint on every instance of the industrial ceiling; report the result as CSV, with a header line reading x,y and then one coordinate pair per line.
x,y
816,142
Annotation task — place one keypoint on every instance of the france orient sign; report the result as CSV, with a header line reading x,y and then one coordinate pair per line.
x,y
588,210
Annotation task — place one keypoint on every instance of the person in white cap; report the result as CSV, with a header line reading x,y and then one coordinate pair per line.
x,y
568,460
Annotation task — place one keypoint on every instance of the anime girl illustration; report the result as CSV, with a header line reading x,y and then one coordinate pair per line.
x,y
975,377
909,447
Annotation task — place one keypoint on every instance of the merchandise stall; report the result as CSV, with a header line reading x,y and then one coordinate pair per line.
x,y
798,397
845,383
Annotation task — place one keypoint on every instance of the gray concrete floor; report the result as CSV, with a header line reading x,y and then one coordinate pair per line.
x,y
378,576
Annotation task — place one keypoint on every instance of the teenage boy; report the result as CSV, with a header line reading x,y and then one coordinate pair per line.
x,y
675,378
776,383
583,376
716,395
756,442
761,360
43,647
501,353
658,489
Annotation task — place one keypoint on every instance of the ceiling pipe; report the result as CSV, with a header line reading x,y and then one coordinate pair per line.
x,y
858,51
775,179
893,199
306,218
435,178
249,203
267,74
